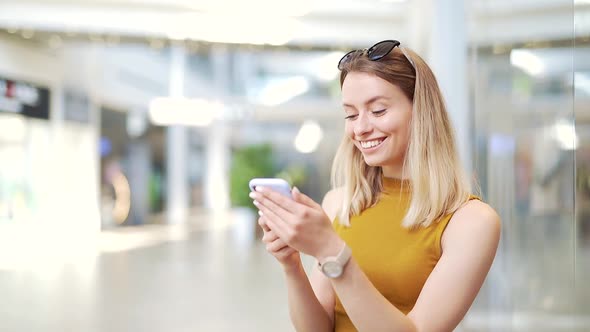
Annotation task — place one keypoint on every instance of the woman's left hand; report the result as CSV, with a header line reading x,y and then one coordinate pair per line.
x,y
301,223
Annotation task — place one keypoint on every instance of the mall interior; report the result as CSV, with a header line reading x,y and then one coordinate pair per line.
x,y
129,130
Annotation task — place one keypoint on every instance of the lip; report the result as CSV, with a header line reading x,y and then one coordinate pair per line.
x,y
371,149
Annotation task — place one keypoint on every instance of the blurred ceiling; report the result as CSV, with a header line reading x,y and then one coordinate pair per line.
x,y
327,22
302,22
320,28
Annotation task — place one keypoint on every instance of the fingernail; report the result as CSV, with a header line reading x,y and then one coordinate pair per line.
x,y
296,189
252,195
260,213
259,188
256,203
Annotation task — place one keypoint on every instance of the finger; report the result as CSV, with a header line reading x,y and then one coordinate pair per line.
x,y
270,208
285,252
269,237
277,198
262,222
275,246
272,220
300,197
280,227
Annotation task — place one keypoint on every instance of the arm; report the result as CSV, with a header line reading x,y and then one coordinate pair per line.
x,y
307,303
305,311
469,246
311,301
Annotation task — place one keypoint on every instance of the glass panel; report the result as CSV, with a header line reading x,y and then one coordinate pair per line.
x,y
582,116
524,153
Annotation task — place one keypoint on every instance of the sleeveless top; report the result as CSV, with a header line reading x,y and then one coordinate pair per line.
x,y
396,260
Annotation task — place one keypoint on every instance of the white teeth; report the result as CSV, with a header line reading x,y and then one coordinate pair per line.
x,y
370,144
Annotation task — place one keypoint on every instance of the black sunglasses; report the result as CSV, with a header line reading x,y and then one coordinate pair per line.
x,y
374,53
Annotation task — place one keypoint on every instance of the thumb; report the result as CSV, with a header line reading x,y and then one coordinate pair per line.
x,y
300,197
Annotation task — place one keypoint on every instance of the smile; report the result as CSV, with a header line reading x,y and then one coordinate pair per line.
x,y
371,144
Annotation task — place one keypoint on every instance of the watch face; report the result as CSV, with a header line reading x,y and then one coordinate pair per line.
x,y
332,269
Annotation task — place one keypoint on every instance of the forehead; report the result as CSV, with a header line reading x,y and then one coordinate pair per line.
x,y
359,87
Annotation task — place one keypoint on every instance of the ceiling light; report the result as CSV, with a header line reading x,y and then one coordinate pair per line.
x,y
309,137
527,61
565,134
136,124
167,111
253,7
217,28
280,91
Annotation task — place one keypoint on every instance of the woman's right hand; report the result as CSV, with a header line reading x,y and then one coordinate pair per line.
x,y
287,256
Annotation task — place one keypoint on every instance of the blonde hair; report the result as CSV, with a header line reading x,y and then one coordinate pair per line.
x,y
439,185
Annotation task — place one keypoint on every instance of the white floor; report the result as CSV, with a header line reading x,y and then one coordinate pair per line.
x,y
204,277
211,275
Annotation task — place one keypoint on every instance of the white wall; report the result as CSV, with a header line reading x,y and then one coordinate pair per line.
x,y
58,161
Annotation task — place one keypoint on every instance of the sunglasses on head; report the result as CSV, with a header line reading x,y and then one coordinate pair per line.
x,y
374,53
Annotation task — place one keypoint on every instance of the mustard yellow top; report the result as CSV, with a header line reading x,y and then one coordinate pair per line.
x,y
395,259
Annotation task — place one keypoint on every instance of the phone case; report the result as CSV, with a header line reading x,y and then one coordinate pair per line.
x,y
275,184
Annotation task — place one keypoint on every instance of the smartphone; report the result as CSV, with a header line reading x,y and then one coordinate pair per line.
x,y
275,184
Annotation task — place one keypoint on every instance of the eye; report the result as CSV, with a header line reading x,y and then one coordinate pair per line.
x,y
380,112
351,117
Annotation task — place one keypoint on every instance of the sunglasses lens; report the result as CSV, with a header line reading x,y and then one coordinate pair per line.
x,y
381,49
345,58
376,52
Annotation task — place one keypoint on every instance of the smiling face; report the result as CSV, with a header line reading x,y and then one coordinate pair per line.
x,y
378,118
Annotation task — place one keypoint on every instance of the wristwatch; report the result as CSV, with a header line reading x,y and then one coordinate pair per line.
x,y
333,267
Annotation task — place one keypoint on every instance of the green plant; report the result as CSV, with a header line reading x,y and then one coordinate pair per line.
x,y
249,162
256,161
294,174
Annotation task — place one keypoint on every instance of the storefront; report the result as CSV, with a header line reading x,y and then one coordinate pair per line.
x,y
24,127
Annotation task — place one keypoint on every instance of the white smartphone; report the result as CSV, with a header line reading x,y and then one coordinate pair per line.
x,y
275,184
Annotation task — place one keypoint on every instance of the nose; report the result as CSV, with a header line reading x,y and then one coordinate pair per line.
x,y
362,126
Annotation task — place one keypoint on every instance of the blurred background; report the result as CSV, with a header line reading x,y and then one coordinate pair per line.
x,y
130,128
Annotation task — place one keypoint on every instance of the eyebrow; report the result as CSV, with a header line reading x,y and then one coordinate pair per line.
x,y
368,102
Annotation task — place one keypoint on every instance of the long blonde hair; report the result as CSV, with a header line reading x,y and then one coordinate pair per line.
x,y
439,185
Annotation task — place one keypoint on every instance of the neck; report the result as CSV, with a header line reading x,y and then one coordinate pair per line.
x,y
395,171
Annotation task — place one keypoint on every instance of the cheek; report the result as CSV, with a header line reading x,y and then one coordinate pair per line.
x,y
400,125
395,126
400,131
348,130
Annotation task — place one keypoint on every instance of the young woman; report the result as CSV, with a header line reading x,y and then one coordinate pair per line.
x,y
401,243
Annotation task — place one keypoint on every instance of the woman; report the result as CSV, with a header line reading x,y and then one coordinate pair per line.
x,y
401,244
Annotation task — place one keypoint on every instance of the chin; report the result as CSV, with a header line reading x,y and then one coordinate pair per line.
x,y
372,161
379,161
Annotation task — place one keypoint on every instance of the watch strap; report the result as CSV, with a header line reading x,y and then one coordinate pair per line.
x,y
341,258
344,255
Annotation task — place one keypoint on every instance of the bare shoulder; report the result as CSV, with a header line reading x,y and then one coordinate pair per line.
x,y
469,245
477,211
474,220
331,202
